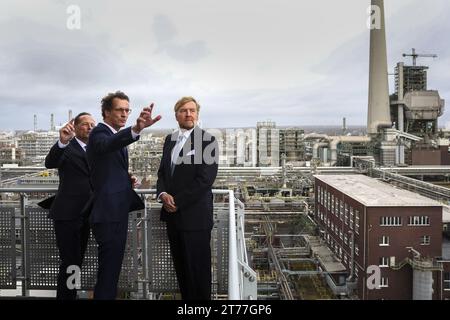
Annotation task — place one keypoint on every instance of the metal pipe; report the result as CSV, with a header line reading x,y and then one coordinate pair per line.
x,y
233,273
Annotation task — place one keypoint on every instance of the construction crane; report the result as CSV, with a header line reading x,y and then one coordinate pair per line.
x,y
415,55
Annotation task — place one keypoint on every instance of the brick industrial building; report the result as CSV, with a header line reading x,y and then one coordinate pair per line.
x,y
397,230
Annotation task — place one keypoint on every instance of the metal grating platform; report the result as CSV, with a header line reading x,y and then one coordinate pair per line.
x,y
7,249
219,248
43,255
161,271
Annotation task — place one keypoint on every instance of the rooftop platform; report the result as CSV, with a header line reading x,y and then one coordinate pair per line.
x,y
374,193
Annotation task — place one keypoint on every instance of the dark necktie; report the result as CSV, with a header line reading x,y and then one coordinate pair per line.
x,y
176,152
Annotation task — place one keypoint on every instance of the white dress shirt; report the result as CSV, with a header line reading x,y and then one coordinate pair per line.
x,y
183,135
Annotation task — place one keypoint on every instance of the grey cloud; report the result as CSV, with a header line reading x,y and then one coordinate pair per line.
x,y
47,70
163,29
293,106
166,33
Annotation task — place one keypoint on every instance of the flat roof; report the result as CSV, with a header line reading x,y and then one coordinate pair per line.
x,y
446,214
373,193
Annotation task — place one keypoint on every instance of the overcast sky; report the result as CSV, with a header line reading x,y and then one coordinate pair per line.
x,y
293,62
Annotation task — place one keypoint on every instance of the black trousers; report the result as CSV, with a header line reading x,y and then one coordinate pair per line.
x,y
191,254
71,238
111,239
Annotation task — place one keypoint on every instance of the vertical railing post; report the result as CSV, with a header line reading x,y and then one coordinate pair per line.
x,y
233,274
24,225
144,250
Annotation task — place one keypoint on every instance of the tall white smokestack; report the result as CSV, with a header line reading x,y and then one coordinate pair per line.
x,y
378,112
52,122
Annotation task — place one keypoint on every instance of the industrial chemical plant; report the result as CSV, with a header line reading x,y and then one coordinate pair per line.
x,y
358,213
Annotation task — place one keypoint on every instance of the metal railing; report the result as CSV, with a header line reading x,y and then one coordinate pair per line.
x,y
424,188
241,278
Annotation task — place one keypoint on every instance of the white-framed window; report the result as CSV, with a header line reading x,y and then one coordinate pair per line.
x,y
345,259
341,235
384,283
447,281
328,200
390,221
322,197
351,215
356,249
337,208
345,239
351,218
384,262
384,241
332,226
346,214
336,200
332,203
357,221
419,221
341,211
425,240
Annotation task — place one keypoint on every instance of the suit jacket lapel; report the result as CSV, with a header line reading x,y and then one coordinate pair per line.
x,y
78,156
123,152
168,156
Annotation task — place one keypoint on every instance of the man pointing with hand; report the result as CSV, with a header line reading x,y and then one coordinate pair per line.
x,y
113,196
71,227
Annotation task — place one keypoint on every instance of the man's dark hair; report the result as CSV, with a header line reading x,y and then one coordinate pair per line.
x,y
77,118
107,100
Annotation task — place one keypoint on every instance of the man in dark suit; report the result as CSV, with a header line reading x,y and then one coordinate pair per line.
x,y
71,227
113,196
185,177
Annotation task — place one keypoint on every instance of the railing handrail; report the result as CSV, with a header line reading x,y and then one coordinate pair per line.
x,y
54,189
233,263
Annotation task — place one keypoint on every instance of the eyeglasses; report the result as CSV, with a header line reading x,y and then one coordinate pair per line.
x,y
122,110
